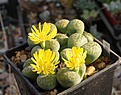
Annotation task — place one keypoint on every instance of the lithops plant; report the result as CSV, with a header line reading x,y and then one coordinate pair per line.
x,y
52,27
62,39
63,53
88,36
94,50
57,55
77,40
42,33
52,44
47,82
62,25
68,78
45,65
75,68
34,49
30,43
27,71
75,26
27,63
82,71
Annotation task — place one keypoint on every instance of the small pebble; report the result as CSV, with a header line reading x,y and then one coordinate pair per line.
x,y
101,65
18,54
90,70
23,58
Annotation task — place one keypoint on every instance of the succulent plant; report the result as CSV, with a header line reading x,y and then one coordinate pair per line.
x,y
30,43
52,44
62,25
94,50
82,70
52,27
27,63
75,26
68,78
42,33
63,53
57,54
77,39
62,39
88,36
34,49
47,82
27,71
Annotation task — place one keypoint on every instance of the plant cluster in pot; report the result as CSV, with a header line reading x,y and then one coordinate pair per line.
x,y
60,57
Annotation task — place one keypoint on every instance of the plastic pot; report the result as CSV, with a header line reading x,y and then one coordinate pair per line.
x,y
98,84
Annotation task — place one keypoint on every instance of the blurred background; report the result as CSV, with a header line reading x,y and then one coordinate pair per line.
x,y
102,18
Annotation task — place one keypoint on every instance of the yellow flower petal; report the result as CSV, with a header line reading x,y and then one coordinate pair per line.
x,y
46,28
45,61
42,33
75,59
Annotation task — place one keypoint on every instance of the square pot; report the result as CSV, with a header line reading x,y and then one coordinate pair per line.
x,y
98,84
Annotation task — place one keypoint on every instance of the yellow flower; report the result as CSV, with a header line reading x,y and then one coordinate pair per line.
x,y
45,62
42,33
75,59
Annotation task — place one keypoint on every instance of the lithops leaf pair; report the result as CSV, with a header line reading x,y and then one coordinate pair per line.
x,y
62,25
27,71
34,49
62,39
40,34
75,26
94,50
74,60
68,78
52,44
77,39
47,82
89,36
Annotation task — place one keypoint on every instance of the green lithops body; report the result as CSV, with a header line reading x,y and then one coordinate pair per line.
x,y
34,49
27,71
47,82
77,40
94,50
75,26
62,39
82,70
68,78
52,27
52,45
62,25
88,36
57,54
30,43
63,53
27,63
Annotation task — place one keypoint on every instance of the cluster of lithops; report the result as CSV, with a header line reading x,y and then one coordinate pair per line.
x,y
63,42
